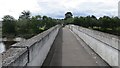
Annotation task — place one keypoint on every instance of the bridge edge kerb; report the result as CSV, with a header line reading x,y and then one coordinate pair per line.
x,y
9,55
103,53
101,34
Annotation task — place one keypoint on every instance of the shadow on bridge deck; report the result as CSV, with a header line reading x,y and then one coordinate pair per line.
x,y
67,51
55,54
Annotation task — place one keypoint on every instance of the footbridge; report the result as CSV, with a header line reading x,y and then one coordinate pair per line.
x,y
65,46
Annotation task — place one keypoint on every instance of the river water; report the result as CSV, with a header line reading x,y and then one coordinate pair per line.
x,y
5,45
2,47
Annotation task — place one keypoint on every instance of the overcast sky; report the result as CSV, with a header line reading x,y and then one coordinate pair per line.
x,y
57,8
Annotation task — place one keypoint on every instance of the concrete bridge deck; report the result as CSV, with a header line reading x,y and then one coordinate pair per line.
x,y
68,50
68,46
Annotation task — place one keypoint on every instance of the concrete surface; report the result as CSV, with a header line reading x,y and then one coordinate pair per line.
x,y
31,52
109,39
68,51
105,51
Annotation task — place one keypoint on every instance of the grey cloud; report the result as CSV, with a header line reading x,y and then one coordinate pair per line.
x,y
56,10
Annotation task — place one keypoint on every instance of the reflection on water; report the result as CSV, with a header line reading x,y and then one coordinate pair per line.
x,y
2,47
5,45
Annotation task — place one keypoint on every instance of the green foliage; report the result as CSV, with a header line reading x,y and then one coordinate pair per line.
x,y
25,15
8,26
105,23
68,15
26,26
68,21
68,18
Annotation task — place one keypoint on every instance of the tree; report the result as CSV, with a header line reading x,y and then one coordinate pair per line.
x,y
9,24
25,15
105,22
68,15
93,22
48,22
115,23
76,21
35,24
68,18
23,23
27,26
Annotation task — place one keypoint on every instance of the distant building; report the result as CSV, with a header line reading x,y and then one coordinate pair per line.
x,y
119,9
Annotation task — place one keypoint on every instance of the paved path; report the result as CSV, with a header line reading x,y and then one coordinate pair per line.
x,y
67,51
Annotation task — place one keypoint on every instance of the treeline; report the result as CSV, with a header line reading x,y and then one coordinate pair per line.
x,y
105,24
26,26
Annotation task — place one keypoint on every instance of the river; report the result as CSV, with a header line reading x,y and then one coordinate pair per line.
x,y
5,45
2,47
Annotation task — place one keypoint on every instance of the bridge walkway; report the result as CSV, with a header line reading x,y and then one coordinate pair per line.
x,y
68,51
